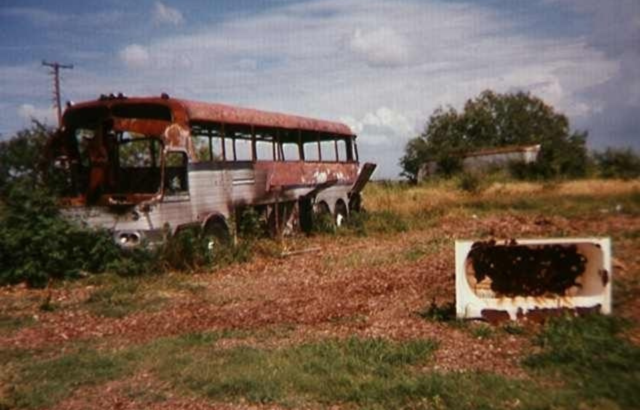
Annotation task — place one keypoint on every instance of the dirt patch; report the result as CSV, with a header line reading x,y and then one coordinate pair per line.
x,y
316,295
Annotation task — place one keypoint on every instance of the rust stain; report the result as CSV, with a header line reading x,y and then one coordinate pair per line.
x,y
527,270
494,316
198,111
298,173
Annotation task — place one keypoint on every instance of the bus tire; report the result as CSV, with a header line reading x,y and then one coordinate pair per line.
x,y
341,213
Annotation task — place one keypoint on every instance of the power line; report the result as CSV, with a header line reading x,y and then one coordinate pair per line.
x,y
55,72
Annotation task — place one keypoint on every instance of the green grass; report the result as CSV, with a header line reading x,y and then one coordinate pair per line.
x,y
123,297
582,364
46,382
591,357
9,323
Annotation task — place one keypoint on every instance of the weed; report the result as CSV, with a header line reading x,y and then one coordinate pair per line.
x,y
9,323
43,383
482,331
121,299
592,357
328,371
513,328
470,182
386,222
440,313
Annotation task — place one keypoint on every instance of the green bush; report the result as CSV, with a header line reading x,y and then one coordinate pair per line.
x,y
470,182
618,163
37,245
250,225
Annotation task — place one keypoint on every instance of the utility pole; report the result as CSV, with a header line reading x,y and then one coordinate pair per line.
x,y
55,72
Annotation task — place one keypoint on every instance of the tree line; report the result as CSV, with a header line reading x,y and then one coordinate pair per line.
x,y
493,120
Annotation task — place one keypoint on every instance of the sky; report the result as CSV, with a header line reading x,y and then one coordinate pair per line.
x,y
380,66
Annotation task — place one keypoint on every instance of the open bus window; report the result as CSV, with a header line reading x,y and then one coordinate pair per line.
x,y
216,148
175,173
202,146
138,153
139,164
243,149
84,137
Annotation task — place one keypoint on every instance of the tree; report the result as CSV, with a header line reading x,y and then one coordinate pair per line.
x,y
618,163
21,156
494,120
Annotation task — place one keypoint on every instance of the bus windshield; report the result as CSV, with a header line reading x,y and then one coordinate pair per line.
x,y
114,162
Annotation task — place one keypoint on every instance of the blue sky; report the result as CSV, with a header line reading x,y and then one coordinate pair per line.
x,y
382,66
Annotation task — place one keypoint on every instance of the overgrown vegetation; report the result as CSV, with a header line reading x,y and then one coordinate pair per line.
x,y
590,355
582,364
37,245
618,163
493,120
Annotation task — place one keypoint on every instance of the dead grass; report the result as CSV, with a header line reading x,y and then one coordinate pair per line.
x,y
274,313
437,196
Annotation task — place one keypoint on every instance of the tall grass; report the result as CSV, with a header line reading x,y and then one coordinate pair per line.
x,y
445,195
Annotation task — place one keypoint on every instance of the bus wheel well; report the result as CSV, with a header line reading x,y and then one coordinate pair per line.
x,y
216,227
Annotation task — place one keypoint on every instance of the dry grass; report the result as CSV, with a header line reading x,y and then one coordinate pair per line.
x,y
445,195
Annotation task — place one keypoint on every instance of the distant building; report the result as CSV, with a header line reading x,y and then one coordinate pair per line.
x,y
488,158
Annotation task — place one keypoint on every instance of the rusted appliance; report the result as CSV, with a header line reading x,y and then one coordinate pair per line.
x,y
533,278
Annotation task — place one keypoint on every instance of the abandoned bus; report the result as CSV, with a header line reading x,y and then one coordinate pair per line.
x,y
136,166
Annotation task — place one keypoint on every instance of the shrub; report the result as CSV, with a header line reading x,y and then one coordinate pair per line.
x,y
618,163
250,225
470,182
36,244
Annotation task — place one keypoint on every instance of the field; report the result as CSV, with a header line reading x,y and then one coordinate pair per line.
x,y
359,318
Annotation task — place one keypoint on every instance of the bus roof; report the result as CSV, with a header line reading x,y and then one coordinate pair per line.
x,y
196,111
209,112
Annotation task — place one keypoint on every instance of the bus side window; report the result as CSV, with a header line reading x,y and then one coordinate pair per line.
x,y
202,146
264,150
216,145
311,151
328,150
342,150
291,152
175,173
243,149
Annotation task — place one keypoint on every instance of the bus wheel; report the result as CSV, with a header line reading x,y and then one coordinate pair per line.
x,y
216,232
341,213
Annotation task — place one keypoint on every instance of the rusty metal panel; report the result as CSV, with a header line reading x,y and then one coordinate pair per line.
x,y
297,173
532,277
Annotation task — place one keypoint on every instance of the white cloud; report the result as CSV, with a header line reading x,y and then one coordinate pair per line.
x,y
381,65
380,47
135,56
28,112
382,126
163,14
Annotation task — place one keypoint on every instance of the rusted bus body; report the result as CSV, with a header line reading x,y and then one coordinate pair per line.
x,y
199,164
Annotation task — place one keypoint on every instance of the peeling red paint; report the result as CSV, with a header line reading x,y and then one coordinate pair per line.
x,y
298,173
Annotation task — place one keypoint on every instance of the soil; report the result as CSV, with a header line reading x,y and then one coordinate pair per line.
x,y
371,286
